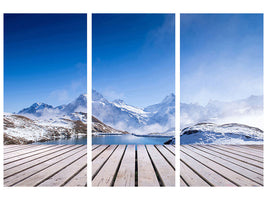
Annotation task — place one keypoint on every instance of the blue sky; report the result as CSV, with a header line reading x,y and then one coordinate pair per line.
x,y
133,57
221,57
44,59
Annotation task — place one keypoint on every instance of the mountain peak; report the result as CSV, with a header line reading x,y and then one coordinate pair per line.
x,y
119,102
40,105
169,99
96,96
34,107
82,98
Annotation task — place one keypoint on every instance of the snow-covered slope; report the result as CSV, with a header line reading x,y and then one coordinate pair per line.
x,y
209,133
19,129
245,111
155,118
100,127
41,122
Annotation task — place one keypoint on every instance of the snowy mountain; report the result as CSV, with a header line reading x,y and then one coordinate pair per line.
x,y
74,111
19,129
100,127
42,122
118,114
209,133
78,105
245,111
163,113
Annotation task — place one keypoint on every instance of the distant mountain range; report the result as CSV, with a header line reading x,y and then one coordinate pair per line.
x,y
245,111
42,122
157,118
45,111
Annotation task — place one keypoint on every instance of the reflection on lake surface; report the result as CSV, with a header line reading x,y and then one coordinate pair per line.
x,y
128,139
72,140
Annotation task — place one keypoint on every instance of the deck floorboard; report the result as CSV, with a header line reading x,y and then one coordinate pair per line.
x,y
133,165
45,165
221,165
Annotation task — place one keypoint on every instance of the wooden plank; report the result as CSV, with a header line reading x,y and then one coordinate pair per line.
x,y
23,152
126,173
15,148
50,162
230,159
98,151
95,146
26,155
206,173
246,151
260,147
164,169
31,158
190,177
43,175
167,155
238,157
256,150
182,183
231,166
78,180
63,176
101,159
227,173
107,173
170,148
10,146
146,173
250,147
260,160
38,161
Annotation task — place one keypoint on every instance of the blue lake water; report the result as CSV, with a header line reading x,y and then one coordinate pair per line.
x,y
72,140
128,139
110,139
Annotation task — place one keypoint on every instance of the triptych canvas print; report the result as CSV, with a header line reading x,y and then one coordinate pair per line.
x,y
137,136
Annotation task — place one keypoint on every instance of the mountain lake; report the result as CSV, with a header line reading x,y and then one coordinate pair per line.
x,y
110,139
128,139
71,140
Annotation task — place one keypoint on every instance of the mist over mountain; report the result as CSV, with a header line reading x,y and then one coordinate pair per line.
x,y
247,111
156,118
46,112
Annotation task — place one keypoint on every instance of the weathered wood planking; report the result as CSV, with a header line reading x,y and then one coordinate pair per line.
x,y
146,173
101,159
45,165
164,169
106,175
126,173
141,165
221,165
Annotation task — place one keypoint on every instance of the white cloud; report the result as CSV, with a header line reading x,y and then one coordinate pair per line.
x,y
111,94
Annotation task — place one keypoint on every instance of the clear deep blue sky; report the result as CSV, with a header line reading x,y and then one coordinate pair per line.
x,y
134,56
221,57
44,59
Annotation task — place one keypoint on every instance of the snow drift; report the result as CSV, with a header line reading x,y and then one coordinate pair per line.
x,y
210,133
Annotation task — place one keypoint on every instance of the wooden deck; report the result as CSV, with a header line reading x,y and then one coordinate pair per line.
x,y
221,165
45,165
141,165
